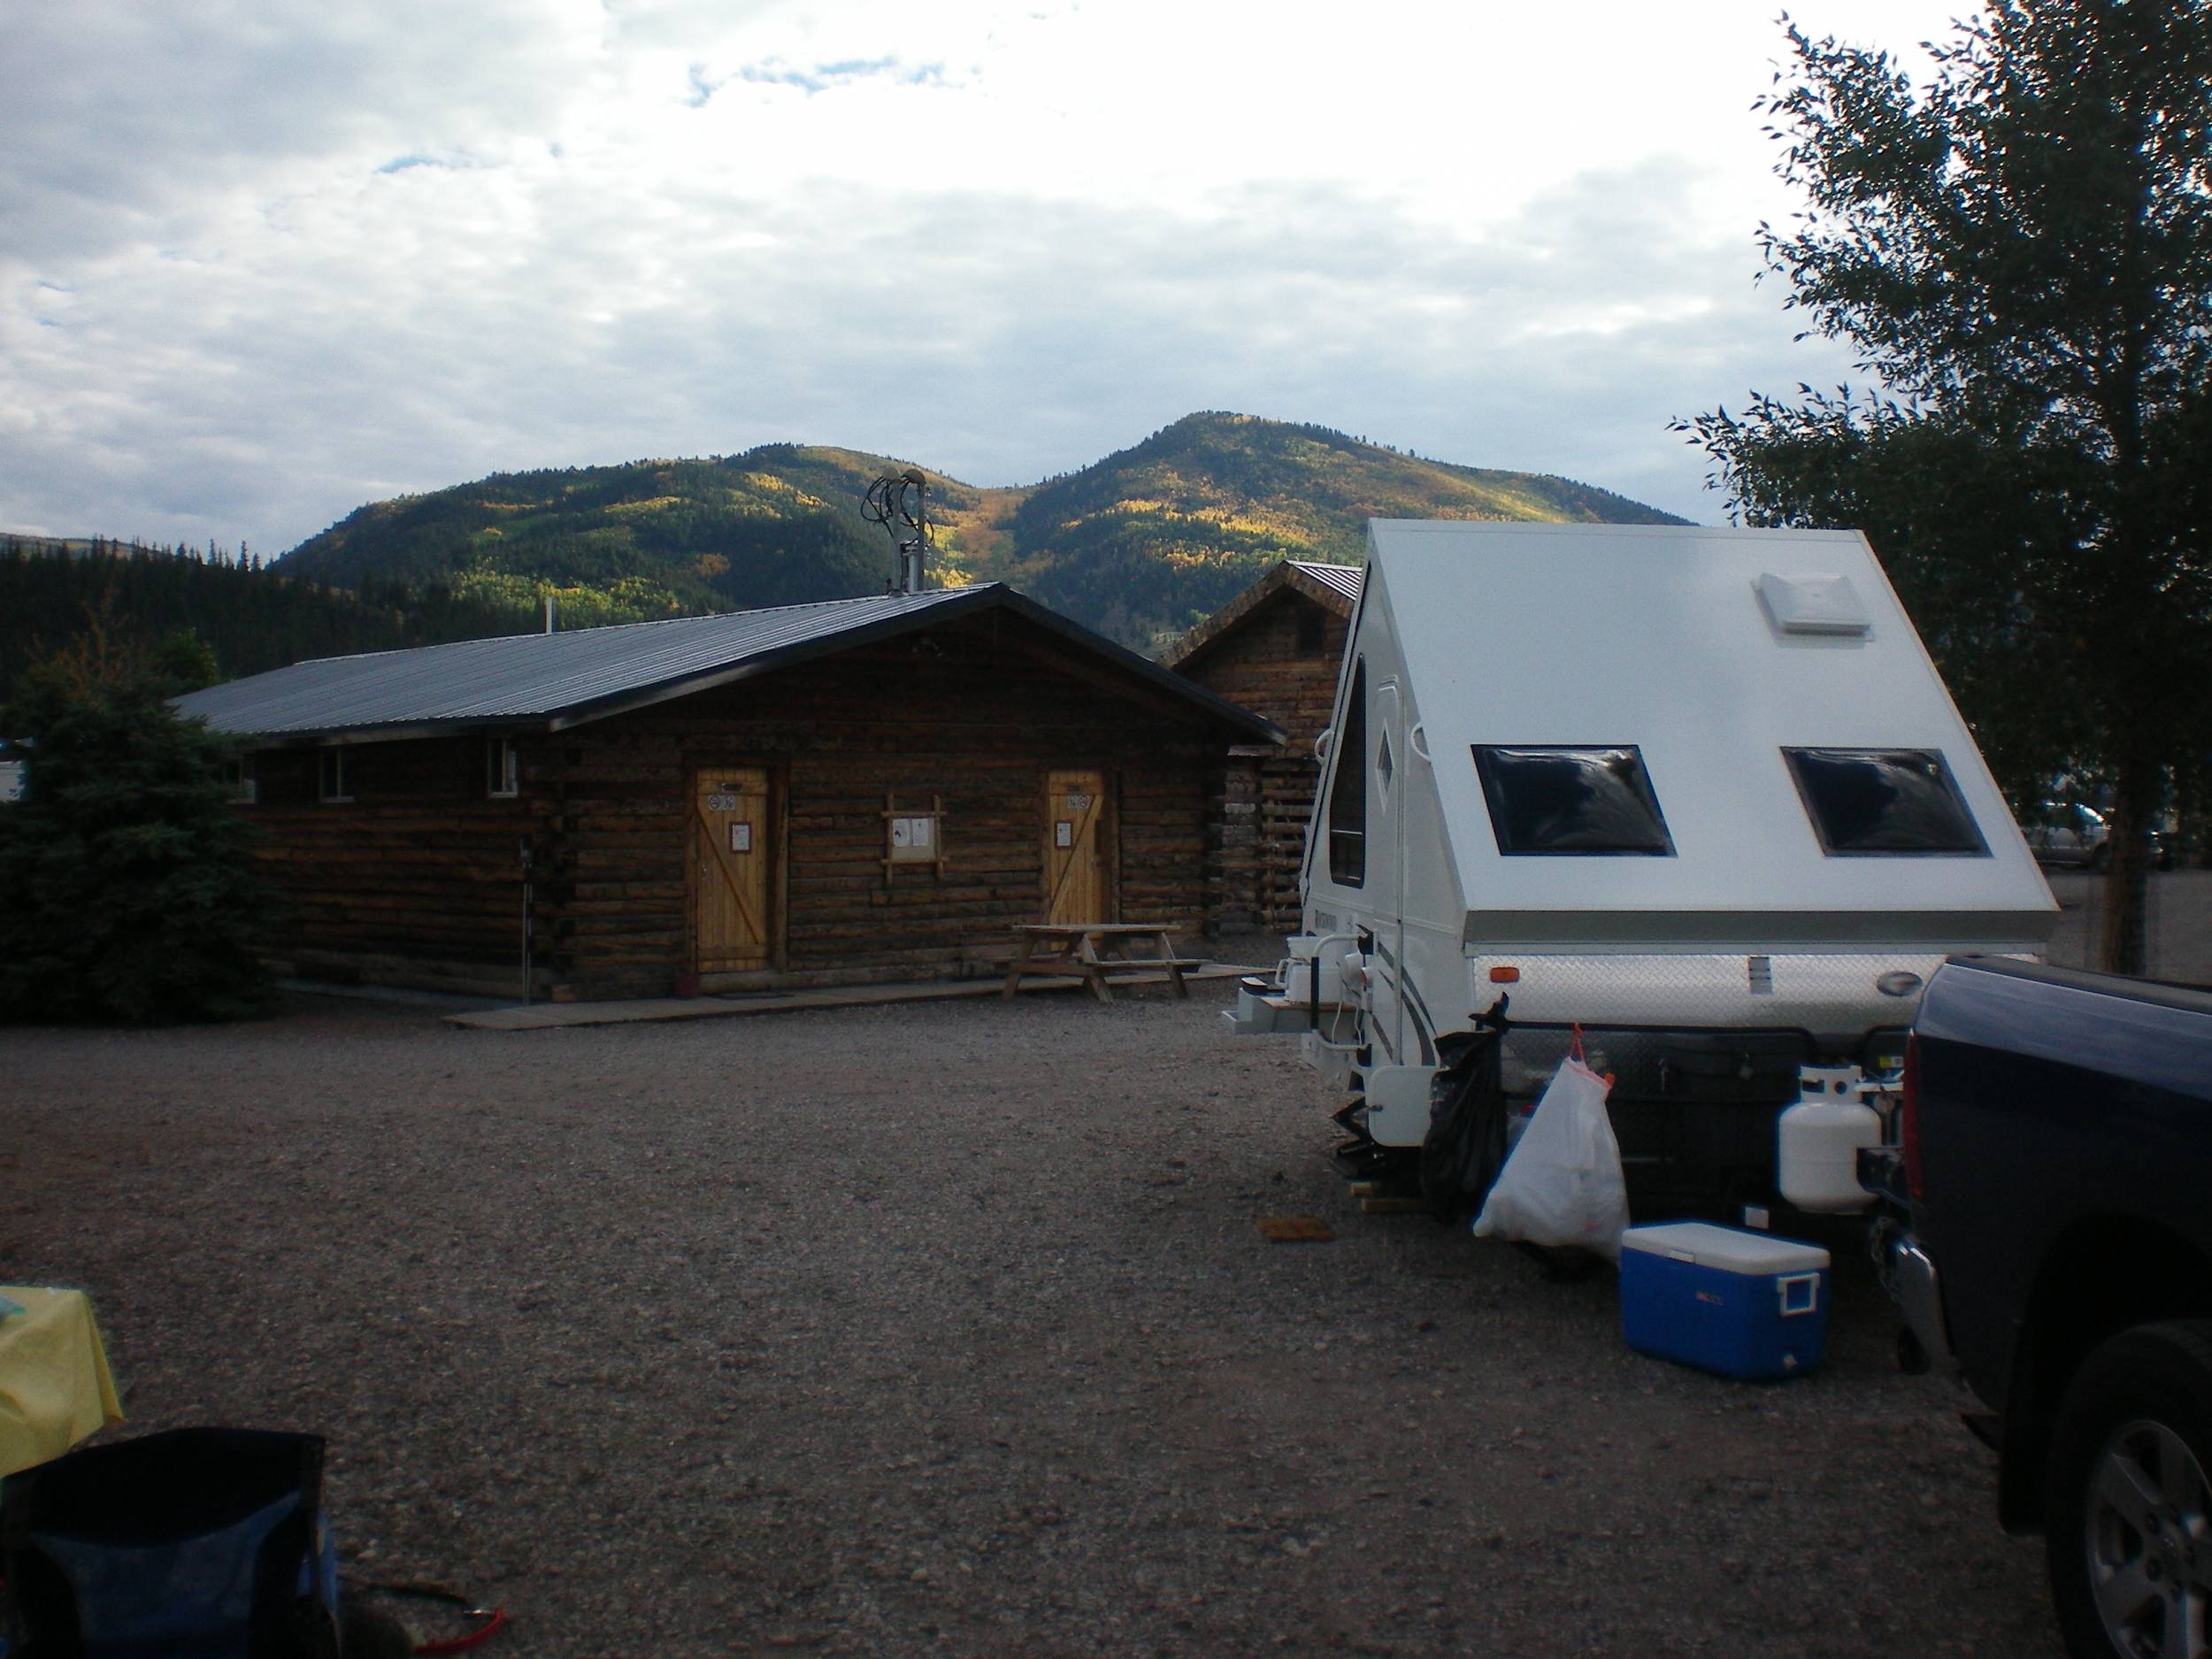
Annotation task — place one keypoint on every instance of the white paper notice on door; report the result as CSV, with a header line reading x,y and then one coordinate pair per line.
x,y
1062,832
740,838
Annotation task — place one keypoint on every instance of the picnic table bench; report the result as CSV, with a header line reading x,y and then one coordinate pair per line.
x,y
1097,952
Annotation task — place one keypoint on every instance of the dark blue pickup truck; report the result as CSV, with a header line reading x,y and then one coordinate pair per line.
x,y
2053,1238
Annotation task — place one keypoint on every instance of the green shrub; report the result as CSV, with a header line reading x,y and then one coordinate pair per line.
x,y
127,886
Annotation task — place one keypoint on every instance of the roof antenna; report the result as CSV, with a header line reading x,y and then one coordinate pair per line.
x,y
900,501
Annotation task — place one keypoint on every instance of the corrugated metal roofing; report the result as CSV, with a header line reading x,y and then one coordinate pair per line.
x,y
1346,579
562,679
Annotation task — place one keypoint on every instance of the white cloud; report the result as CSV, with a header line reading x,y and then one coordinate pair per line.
x,y
260,264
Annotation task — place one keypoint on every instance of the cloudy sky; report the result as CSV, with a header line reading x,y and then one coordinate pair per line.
x,y
264,260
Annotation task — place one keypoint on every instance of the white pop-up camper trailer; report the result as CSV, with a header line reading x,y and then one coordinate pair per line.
x,y
1699,791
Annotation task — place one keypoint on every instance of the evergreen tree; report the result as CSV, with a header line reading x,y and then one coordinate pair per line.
x,y
127,887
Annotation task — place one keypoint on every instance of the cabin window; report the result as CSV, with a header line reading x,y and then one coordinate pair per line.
x,y
238,779
1872,801
1579,800
1313,631
336,782
1348,792
503,768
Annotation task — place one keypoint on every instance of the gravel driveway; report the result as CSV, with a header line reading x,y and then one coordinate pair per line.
x,y
946,1328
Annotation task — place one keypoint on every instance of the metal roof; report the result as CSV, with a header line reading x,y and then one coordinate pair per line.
x,y
560,680
1346,579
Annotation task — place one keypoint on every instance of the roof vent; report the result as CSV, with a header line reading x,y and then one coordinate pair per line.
x,y
1814,604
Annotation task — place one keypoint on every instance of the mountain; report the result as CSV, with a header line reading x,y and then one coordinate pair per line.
x,y
650,538
1154,538
1139,545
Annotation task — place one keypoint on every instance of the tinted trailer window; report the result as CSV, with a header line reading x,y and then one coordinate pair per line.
x,y
1596,800
1348,793
1884,801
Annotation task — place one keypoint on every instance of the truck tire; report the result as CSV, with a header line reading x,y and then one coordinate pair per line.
x,y
2128,1500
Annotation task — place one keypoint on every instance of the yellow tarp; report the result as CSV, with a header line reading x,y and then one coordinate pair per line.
x,y
55,1388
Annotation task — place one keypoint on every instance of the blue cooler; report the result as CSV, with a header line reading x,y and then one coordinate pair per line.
x,y
1744,1304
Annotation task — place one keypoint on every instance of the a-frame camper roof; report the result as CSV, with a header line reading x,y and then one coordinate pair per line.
x,y
1712,651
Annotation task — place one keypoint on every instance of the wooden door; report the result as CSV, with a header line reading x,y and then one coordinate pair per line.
x,y
732,853
1077,884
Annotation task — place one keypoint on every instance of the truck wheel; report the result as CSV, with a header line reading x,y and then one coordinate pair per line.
x,y
2129,1506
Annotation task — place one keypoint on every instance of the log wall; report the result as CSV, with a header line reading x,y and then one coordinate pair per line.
x,y
418,881
1280,662
415,882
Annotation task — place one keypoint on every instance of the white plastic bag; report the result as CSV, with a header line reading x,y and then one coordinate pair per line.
x,y
1562,1183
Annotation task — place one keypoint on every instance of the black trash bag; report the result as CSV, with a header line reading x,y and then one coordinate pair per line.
x,y
190,1544
1465,1145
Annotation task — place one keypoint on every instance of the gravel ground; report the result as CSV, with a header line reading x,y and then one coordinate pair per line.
x,y
947,1329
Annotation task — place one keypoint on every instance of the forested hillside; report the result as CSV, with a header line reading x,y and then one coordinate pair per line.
x,y
1159,536
779,525
249,616
1139,545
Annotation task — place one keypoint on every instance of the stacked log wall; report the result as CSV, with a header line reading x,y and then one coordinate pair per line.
x,y
416,880
1267,662
966,717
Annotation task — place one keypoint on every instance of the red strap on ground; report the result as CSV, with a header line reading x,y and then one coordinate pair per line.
x,y
474,1639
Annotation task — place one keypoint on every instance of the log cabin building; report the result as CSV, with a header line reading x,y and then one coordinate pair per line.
x,y
849,791
1275,649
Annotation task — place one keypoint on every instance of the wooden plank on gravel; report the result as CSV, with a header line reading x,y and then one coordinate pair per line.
x,y
1394,1205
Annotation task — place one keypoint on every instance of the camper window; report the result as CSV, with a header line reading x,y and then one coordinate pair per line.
x,y
1348,792
1883,801
1572,800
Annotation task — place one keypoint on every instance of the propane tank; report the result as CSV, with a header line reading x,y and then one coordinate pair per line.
x,y
1818,1140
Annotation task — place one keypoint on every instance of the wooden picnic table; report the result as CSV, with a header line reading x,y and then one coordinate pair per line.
x,y
1097,952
